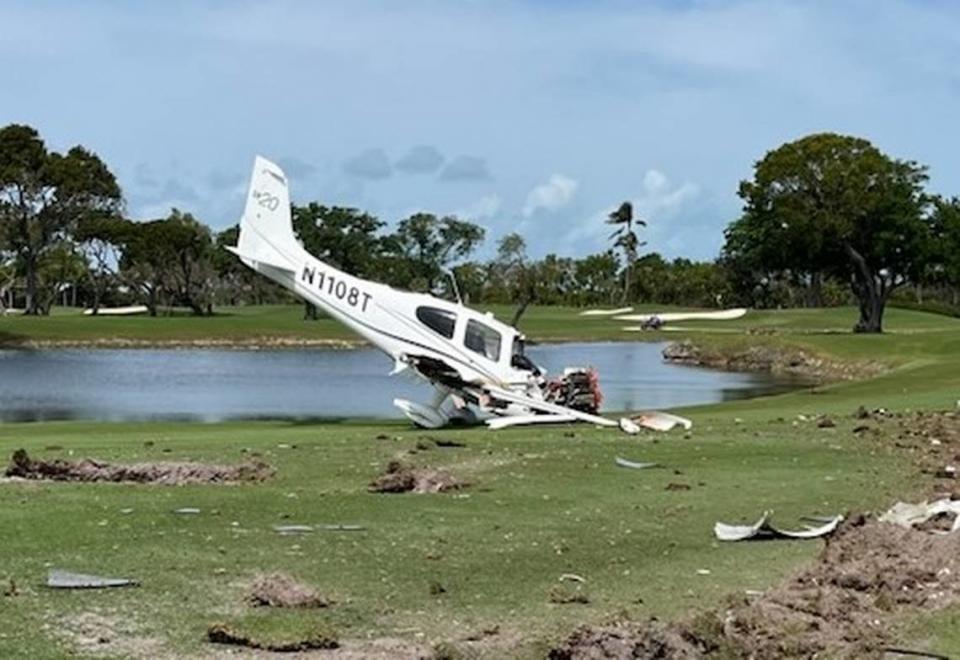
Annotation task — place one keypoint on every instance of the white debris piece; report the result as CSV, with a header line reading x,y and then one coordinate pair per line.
x,y
629,426
910,515
59,579
572,577
622,462
661,421
290,530
763,529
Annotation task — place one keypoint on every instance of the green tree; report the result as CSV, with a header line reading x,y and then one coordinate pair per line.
x,y
344,237
61,268
595,278
945,229
43,195
170,259
834,202
626,239
516,274
98,239
426,246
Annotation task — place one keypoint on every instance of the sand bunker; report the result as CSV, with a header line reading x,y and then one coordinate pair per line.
x,y
21,465
281,590
842,606
401,478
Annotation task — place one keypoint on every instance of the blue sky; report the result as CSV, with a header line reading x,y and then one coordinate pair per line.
x,y
538,117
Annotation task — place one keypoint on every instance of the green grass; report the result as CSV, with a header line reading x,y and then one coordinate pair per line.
x,y
543,504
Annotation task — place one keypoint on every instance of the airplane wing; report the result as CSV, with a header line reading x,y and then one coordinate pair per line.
x,y
552,408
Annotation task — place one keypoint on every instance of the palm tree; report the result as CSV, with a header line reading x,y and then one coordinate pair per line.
x,y
626,239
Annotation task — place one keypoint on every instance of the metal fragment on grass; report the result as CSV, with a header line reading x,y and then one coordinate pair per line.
x,y
60,579
624,463
187,511
763,529
572,577
343,528
290,530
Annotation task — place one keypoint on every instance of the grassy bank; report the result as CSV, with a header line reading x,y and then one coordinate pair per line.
x,y
438,568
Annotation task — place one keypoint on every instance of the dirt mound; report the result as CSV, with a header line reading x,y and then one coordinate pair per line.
x,y
220,633
281,590
841,606
628,640
401,478
768,358
21,465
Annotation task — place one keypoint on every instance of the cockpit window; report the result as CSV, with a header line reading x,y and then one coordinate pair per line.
x,y
482,339
439,320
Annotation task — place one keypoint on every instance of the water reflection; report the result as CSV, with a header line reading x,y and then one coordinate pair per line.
x,y
215,385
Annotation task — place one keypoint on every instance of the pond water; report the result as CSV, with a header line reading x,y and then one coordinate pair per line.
x,y
215,385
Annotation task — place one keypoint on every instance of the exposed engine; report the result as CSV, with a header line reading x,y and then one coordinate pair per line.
x,y
578,388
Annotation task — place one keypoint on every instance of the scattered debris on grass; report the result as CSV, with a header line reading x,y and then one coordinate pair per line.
x,y
187,511
842,605
220,633
674,485
763,529
437,589
22,465
281,590
401,478
59,579
624,463
944,513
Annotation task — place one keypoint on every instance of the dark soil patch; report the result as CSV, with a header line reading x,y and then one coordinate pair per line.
x,y
444,442
402,478
220,633
564,594
170,473
281,590
841,606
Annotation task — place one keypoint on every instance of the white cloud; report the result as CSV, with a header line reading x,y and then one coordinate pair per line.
x,y
658,200
556,193
483,209
657,204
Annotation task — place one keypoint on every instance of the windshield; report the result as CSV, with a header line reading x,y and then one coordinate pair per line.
x,y
519,359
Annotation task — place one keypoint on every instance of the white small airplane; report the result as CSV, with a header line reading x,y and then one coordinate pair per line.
x,y
473,360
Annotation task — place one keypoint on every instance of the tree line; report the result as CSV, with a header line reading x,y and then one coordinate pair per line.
x,y
827,219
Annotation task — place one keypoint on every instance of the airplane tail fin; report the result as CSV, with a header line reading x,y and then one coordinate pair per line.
x,y
266,229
